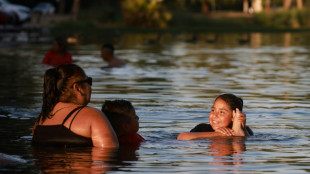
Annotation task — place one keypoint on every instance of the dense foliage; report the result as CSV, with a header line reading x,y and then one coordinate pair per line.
x,y
145,13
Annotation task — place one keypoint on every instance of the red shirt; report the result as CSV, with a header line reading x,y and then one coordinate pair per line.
x,y
133,138
52,58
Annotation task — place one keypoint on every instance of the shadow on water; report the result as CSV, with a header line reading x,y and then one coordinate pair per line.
x,y
77,159
15,153
18,88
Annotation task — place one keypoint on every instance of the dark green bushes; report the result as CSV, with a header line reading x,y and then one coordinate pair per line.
x,y
283,19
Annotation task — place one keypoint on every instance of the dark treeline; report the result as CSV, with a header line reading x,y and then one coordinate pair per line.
x,y
190,5
181,13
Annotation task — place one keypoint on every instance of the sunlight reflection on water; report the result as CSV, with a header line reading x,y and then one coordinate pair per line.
x,y
173,85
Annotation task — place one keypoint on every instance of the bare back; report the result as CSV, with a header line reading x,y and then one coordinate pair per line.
x,y
88,122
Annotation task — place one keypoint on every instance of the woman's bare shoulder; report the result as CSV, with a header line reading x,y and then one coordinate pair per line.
x,y
90,116
91,112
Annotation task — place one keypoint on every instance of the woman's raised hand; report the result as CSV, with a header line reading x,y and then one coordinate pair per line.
x,y
239,120
239,117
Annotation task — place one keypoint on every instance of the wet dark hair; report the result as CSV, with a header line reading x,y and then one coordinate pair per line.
x,y
108,46
232,101
55,84
62,44
117,112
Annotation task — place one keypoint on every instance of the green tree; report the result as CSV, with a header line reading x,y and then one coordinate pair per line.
x,y
205,6
145,13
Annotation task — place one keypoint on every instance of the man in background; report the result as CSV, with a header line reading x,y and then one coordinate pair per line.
x,y
107,54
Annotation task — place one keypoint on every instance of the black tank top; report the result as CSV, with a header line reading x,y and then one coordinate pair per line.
x,y
59,135
203,127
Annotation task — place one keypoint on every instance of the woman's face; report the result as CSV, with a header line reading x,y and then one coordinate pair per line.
x,y
87,93
105,54
56,46
133,125
220,115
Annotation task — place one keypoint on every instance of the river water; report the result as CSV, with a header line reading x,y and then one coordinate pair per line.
x,y
172,85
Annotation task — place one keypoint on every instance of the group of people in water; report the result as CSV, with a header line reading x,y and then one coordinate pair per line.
x,y
66,120
59,55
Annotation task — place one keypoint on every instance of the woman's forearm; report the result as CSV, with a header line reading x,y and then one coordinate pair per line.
x,y
197,135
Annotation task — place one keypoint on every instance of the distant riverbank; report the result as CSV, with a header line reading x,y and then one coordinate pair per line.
x,y
222,23
214,22
48,26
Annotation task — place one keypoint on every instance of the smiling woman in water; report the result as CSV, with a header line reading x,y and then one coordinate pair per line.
x,y
226,119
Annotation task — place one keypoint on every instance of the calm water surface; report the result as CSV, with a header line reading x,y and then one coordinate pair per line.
x,y
172,85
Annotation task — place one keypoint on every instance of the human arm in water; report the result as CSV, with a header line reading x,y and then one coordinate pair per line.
x,y
238,129
197,135
101,132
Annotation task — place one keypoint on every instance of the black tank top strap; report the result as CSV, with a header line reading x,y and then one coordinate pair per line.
x,y
80,108
69,115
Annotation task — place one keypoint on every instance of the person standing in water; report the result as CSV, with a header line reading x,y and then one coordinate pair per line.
x,y
65,118
58,54
226,119
107,54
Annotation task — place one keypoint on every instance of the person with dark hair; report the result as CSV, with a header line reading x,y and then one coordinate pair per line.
x,y
124,120
107,54
226,119
58,54
65,118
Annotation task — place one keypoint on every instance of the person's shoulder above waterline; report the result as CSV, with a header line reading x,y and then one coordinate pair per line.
x,y
116,62
100,125
107,54
67,90
203,127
